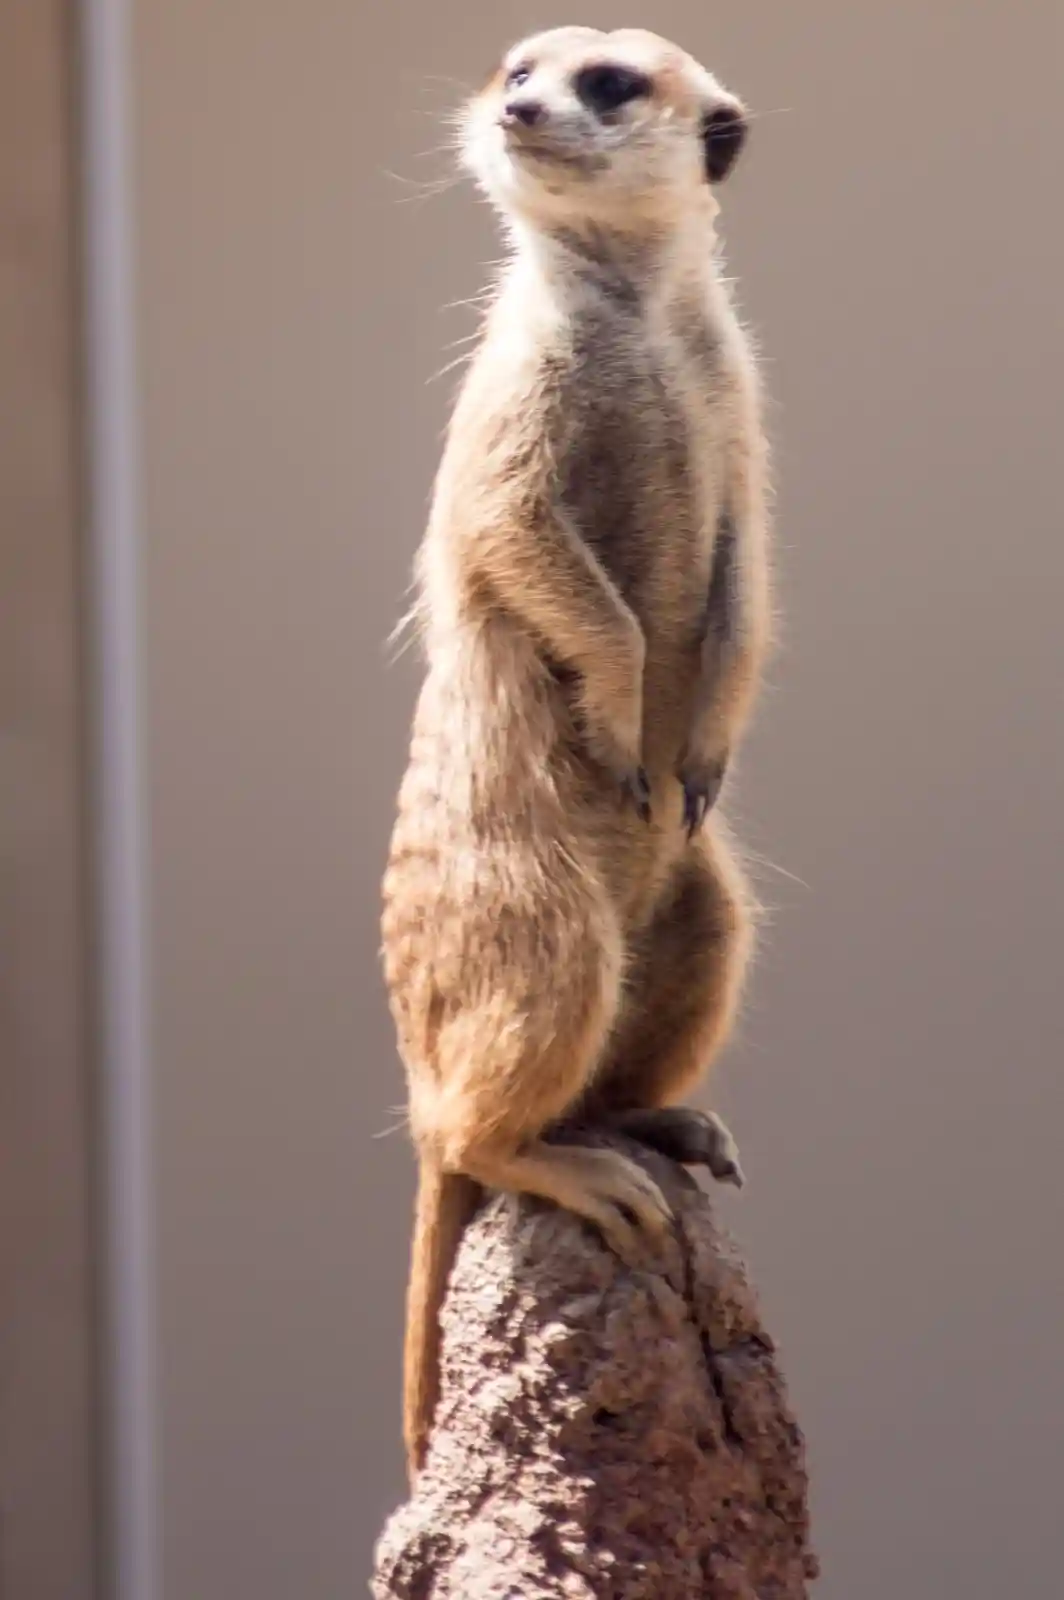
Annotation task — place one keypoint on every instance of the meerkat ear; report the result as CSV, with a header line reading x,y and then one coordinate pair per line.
x,y
724,132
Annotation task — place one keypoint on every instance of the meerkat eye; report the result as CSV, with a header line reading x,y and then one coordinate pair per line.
x,y
518,76
604,89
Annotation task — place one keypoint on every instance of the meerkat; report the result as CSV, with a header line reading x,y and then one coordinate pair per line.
x,y
565,927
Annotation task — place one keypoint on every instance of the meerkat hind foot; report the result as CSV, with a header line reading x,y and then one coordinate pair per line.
x,y
691,1138
602,1186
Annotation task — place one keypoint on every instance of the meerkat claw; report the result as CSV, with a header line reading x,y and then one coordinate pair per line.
x,y
695,806
729,1171
636,786
700,792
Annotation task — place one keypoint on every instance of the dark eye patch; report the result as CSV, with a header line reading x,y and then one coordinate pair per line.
x,y
607,88
518,75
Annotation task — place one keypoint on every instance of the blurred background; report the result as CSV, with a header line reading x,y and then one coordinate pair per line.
x,y
227,251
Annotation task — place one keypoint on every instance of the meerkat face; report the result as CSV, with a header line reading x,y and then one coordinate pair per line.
x,y
612,128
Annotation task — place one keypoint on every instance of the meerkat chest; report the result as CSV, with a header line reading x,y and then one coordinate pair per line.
x,y
643,465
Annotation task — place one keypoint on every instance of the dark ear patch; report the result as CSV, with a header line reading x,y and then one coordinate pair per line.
x,y
723,136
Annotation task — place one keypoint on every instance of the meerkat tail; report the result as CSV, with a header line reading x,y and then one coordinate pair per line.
x,y
445,1204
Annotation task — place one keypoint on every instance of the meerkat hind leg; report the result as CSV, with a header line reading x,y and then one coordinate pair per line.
x,y
599,1185
684,986
692,1138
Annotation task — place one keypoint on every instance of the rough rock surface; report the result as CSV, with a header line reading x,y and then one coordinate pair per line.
x,y
603,1432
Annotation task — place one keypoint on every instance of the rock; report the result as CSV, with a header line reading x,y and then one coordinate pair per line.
x,y
603,1433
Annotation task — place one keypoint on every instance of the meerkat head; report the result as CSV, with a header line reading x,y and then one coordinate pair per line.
x,y
613,129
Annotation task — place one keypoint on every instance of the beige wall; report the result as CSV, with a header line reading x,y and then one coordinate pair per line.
x,y
897,1087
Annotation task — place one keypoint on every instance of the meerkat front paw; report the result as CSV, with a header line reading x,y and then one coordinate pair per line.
x,y
613,740
691,1138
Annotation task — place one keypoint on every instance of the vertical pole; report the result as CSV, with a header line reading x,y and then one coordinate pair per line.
x,y
126,1177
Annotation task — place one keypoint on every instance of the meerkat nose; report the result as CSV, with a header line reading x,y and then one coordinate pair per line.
x,y
527,112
